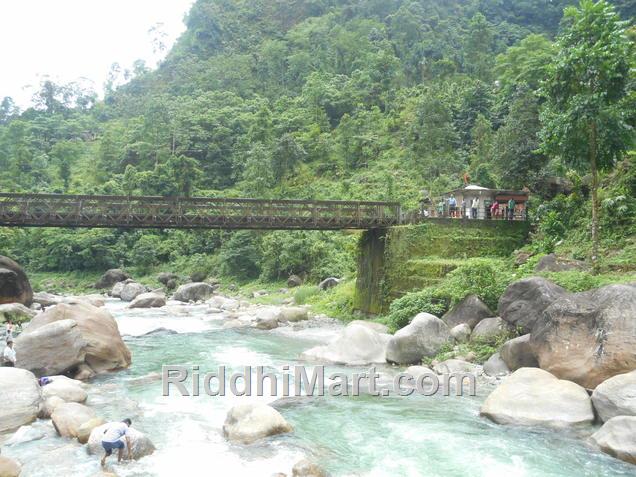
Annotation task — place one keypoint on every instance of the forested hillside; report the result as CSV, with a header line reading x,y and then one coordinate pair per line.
x,y
339,99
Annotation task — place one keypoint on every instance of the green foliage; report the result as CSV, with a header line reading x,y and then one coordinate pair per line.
x,y
239,256
404,309
303,294
336,302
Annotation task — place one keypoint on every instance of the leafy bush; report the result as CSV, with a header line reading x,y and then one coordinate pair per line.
x,y
239,256
336,302
304,293
404,309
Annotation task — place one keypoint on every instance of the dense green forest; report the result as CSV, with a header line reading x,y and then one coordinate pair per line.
x,y
332,99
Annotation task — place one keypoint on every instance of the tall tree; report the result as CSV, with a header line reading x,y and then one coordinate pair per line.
x,y
586,121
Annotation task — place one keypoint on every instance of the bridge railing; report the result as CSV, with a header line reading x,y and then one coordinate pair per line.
x,y
56,210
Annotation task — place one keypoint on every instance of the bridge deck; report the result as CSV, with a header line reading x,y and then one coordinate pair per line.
x,y
56,210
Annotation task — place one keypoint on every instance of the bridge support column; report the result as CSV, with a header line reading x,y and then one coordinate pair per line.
x,y
369,297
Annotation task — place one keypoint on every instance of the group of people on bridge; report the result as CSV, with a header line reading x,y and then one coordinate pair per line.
x,y
472,209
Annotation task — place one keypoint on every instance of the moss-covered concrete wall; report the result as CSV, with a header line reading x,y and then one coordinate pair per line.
x,y
401,259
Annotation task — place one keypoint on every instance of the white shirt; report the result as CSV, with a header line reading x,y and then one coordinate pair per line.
x,y
115,432
9,354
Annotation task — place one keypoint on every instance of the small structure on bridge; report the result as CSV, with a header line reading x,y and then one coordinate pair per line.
x,y
476,202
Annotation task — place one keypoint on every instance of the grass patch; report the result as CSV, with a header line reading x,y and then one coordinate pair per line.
x,y
336,302
304,293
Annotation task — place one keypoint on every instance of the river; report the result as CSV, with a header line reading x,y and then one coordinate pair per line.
x,y
348,436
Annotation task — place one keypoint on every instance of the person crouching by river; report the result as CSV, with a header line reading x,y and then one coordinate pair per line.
x,y
8,355
114,436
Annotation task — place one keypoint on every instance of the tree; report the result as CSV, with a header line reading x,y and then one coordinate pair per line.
x,y
586,121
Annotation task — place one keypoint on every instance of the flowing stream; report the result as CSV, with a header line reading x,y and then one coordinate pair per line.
x,y
348,436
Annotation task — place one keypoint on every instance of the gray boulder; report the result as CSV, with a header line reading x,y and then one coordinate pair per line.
x,y
552,263
471,310
588,337
524,301
461,333
115,292
140,444
377,327
293,313
149,300
517,353
533,397
266,323
14,284
496,367
357,345
193,292
328,283
67,389
111,277
46,299
616,397
247,423
617,438
294,281
132,290
165,277
423,337
489,329
21,398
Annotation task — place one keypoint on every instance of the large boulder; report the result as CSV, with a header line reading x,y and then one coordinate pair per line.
x,y
84,431
15,312
357,345
293,313
616,397
52,348
246,423
489,329
423,337
471,310
118,287
307,468
588,337
377,327
149,300
617,438
533,397
49,406
140,444
20,398
552,263
86,336
165,277
524,301
14,284
294,281
68,417
111,277
67,389
193,292
517,353
461,333
495,366
132,290
9,467
45,299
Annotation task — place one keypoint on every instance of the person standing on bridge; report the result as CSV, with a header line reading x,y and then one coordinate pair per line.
x,y
511,209
475,207
452,206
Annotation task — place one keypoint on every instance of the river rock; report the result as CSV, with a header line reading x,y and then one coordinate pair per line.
x,y
294,281
471,310
423,337
293,314
23,435
68,417
49,406
149,300
495,366
517,353
165,277
328,283
616,396
266,323
67,389
356,345
79,333
46,299
193,292
307,468
534,397
617,438
588,337
94,300
84,431
9,467
377,327
461,333
14,284
52,348
246,423
131,291
140,444
489,329
16,313
20,398
115,292
111,277
552,263
453,366
524,301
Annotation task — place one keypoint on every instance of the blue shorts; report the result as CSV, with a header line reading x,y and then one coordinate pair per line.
x,y
110,446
